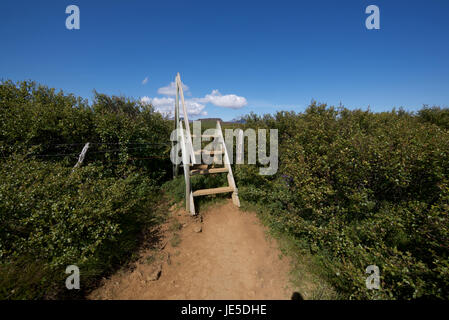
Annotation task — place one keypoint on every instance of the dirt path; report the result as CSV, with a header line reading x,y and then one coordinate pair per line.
x,y
230,258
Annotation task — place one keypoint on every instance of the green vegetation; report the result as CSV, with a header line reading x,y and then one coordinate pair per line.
x,y
38,122
175,225
52,216
358,188
354,188
306,272
175,240
176,189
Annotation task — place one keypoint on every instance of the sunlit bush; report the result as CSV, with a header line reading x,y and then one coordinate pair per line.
x,y
51,217
361,188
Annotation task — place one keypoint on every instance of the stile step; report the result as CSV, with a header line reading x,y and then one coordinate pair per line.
x,y
208,171
205,192
206,136
200,166
209,152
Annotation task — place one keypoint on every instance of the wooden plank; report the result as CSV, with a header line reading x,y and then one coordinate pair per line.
x,y
82,155
205,192
208,171
185,160
227,164
200,166
210,152
192,204
176,166
189,145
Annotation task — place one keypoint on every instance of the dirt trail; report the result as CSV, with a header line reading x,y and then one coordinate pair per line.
x,y
230,258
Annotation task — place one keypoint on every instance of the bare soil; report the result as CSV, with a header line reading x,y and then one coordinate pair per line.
x,y
230,258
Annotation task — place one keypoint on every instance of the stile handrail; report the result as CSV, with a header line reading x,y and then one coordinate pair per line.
x,y
184,139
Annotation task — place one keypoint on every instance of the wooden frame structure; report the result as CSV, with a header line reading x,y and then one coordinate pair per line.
x,y
189,162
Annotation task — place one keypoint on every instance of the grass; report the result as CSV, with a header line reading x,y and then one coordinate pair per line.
x,y
207,202
175,225
307,275
175,240
150,259
175,189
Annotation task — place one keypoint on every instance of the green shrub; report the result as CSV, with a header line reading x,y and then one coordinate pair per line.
x,y
435,115
361,188
51,217
40,123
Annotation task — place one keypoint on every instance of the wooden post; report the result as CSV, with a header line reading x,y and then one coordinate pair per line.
x,y
185,143
176,166
189,145
227,164
186,165
81,156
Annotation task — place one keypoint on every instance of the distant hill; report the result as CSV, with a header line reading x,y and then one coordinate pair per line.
x,y
204,119
238,120
211,119
210,122
235,120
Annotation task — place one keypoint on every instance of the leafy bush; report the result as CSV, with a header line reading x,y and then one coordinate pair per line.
x,y
435,115
358,188
35,116
38,122
361,188
175,188
51,217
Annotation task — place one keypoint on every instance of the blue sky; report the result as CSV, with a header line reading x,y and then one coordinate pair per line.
x,y
275,55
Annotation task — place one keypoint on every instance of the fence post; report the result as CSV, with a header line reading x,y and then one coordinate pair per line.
x,y
82,155
176,166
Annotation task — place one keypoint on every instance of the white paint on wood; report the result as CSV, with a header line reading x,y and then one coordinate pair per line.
x,y
189,143
205,192
82,155
185,160
227,164
189,160
208,171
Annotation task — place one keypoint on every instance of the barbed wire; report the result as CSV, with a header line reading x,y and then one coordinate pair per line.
x,y
104,143
76,154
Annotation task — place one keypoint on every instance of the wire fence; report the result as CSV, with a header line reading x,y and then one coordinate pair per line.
x,y
127,146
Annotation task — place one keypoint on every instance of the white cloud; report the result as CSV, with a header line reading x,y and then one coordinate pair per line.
x,y
145,100
170,90
145,81
226,101
194,106
166,106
